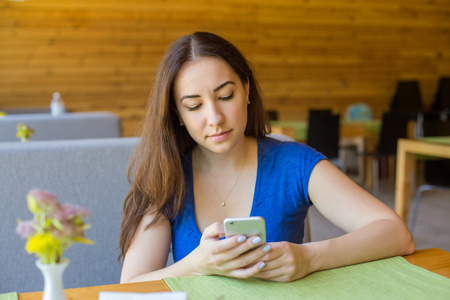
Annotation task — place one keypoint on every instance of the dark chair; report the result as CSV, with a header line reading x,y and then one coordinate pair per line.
x,y
442,97
314,112
407,99
323,134
273,115
436,173
393,127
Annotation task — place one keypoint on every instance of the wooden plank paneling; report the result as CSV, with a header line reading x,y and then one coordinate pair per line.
x,y
102,55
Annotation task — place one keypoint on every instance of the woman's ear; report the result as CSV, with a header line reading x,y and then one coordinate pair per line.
x,y
178,116
247,88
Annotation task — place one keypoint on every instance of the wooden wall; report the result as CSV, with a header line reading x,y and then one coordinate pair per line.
x,y
101,55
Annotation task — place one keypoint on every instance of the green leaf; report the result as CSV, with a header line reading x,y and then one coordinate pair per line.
x,y
57,224
83,240
32,204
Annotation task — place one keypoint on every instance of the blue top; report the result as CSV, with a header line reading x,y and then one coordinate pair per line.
x,y
280,197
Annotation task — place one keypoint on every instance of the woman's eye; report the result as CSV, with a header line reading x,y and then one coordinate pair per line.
x,y
194,108
227,97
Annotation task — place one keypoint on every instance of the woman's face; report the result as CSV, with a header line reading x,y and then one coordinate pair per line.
x,y
212,103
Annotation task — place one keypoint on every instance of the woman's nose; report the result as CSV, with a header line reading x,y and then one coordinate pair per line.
x,y
215,114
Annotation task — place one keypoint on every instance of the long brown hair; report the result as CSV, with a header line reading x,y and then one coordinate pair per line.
x,y
155,171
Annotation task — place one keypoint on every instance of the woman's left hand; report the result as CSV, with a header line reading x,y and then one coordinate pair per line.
x,y
285,262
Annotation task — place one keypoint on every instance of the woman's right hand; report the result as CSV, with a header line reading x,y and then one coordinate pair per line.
x,y
226,256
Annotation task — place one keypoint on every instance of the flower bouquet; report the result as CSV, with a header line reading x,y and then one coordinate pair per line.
x,y
54,228
24,132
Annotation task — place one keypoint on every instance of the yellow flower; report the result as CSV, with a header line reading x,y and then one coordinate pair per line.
x,y
24,132
46,247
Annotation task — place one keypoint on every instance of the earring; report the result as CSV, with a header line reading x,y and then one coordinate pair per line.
x,y
181,123
248,102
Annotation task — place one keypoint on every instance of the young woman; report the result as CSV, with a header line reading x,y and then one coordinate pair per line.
x,y
203,157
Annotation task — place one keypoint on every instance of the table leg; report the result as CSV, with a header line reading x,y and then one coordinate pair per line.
x,y
405,165
369,172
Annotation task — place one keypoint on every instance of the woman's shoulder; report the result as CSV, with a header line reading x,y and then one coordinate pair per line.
x,y
287,150
282,143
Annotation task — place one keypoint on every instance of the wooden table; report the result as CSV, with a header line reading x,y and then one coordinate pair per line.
x,y
406,161
434,260
348,129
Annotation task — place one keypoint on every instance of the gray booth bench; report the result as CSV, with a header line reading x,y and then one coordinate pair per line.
x,y
26,110
61,127
86,172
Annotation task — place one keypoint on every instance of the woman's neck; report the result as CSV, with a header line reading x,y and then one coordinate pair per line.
x,y
221,162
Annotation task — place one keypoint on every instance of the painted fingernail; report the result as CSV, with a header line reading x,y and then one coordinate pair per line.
x,y
241,239
256,240
267,248
262,265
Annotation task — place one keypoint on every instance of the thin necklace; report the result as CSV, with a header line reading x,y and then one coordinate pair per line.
x,y
235,182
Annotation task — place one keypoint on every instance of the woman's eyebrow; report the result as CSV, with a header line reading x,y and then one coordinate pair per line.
x,y
222,85
189,96
215,90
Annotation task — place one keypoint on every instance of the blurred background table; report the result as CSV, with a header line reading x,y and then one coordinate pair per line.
x,y
299,129
406,162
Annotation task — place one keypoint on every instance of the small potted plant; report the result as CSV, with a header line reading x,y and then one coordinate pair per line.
x,y
53,229
24,132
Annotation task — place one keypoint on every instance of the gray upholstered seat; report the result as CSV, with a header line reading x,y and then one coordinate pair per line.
x,y
90,173
61,127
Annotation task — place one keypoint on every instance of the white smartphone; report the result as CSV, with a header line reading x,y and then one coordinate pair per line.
x,y
249,226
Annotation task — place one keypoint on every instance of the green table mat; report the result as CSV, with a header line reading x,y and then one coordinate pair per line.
x,y
437,139
445,140
392,278
9,296
301,127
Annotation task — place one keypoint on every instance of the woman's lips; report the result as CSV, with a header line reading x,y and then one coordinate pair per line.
x,y
218,137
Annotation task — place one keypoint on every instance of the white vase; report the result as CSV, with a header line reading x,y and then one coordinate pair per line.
x,y
53,279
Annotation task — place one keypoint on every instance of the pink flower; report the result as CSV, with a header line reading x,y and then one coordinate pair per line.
x,y
45,200
25,229
70,230
70,211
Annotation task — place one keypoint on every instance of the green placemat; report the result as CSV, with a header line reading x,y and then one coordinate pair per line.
x,y
372,126
445,140
437,139
392,278
9,296
300,128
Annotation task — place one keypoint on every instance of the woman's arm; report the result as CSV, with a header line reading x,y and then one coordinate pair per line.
x,y
146,258
374,231
148,252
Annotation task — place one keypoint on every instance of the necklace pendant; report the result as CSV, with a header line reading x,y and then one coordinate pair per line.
x,y
223,203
